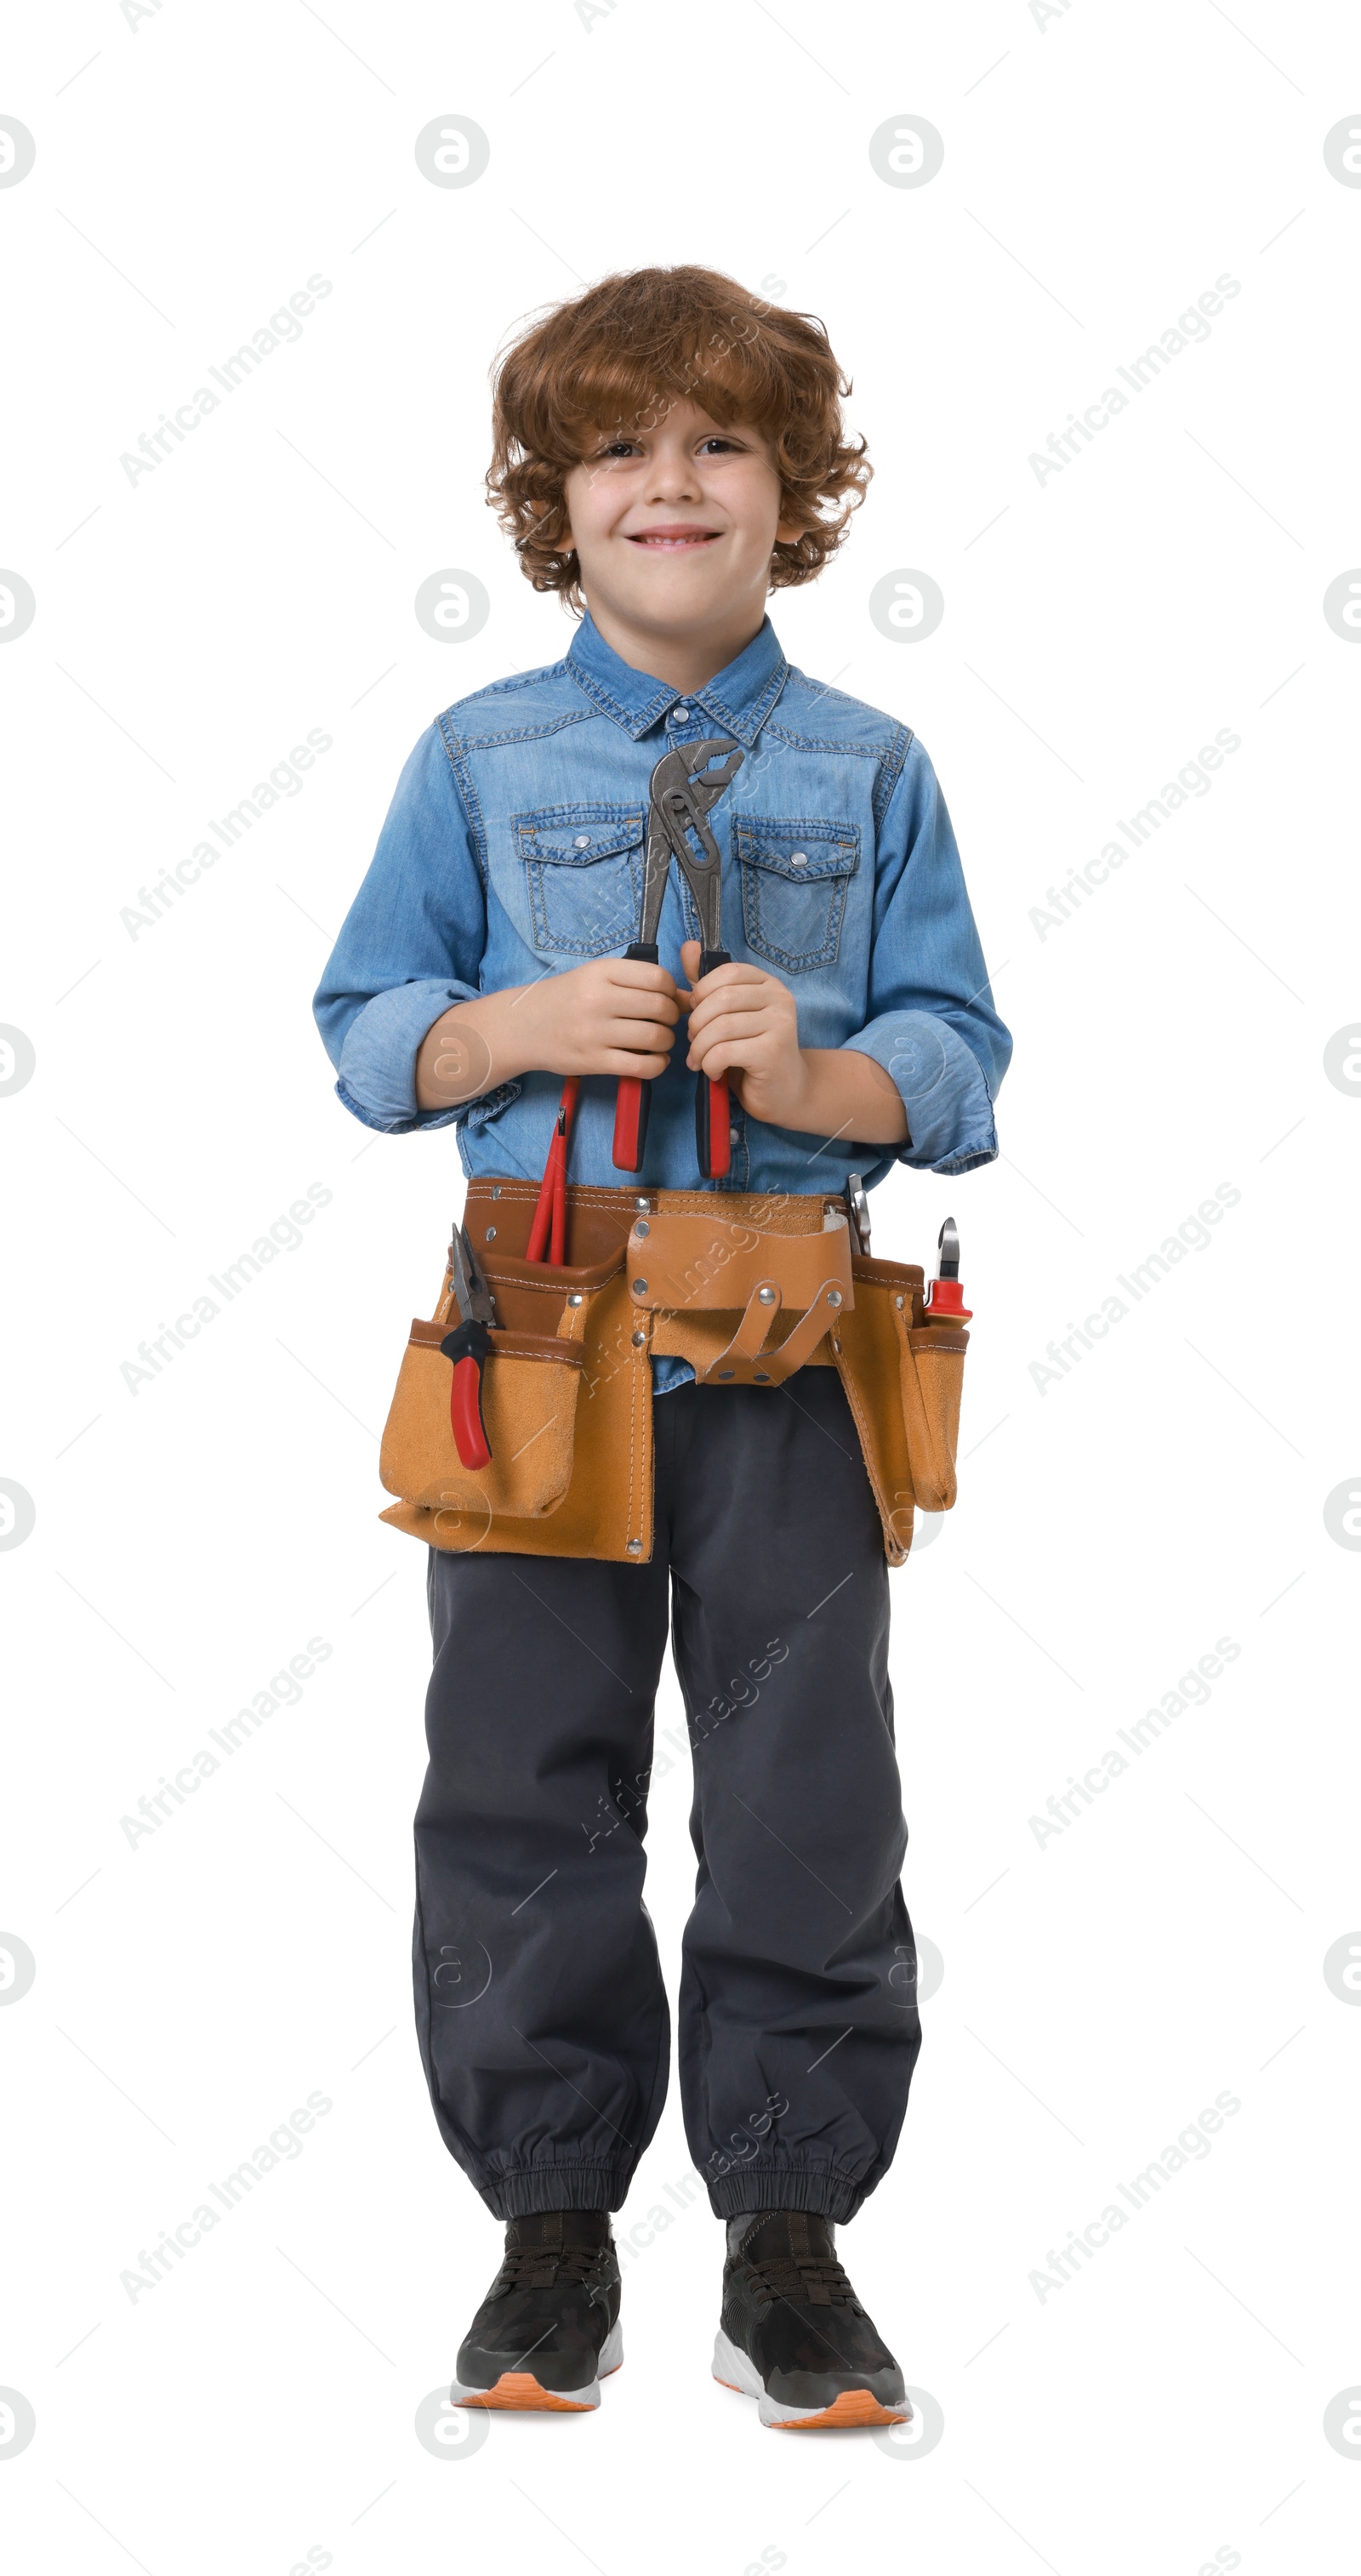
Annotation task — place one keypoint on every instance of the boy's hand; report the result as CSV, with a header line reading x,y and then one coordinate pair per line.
x,y
613,1016
745,1023
616,1016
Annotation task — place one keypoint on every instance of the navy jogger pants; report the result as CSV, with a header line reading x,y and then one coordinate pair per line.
x,y
539,2001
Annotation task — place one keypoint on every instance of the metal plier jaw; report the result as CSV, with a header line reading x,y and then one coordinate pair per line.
x,y
857,1211
945,1297
684,785
471,1294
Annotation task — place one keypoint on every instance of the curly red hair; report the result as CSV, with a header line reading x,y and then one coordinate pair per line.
x,y
634,345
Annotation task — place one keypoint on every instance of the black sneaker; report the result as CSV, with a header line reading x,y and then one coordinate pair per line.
x,y
547,2331
793,2332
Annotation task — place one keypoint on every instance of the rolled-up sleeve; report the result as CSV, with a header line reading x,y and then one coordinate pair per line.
x,y
933,1027
411,944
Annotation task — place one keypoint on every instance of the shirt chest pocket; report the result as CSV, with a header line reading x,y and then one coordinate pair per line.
x,y
795,879
584,876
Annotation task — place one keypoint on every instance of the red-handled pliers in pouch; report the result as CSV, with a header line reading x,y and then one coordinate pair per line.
x,y
468,1346
683,789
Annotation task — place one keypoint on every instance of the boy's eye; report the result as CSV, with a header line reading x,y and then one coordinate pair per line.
x,y
621,447
719,447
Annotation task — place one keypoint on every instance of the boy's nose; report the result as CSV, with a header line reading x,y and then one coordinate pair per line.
x,y
673,478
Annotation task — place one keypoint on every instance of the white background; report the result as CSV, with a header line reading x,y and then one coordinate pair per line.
x,y
1100,1989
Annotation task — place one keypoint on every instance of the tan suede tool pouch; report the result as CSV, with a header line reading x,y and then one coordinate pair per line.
x,y
566,1397
748,1299
745,1301
529,1401
746,1287
902,1376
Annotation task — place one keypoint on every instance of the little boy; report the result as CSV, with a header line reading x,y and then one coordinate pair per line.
x,y
667,450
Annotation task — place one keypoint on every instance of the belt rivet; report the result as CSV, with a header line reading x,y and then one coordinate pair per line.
x,y
899,1304
642,1227
491,1234
834,1296
645,1205
638,1340
575,1298
760,1377
640,1287
727,1372
766,1296
635,1547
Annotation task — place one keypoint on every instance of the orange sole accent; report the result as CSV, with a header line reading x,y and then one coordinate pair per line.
x,y
520,2391
853,2406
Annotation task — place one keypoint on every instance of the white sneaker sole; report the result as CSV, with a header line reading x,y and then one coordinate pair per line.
x,y
854,2406
520,2392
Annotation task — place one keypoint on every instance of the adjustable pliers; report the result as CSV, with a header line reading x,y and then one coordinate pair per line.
x,y
684,787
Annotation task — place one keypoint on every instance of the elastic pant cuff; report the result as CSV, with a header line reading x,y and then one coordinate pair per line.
x,y
530,2188
816,2187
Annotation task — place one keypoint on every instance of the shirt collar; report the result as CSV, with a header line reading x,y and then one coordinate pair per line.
x,y
738,699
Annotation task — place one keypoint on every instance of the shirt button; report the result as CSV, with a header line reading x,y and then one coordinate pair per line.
x,y
681,714
582,841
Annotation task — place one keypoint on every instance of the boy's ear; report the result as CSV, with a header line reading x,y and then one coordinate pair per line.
x,y
786,534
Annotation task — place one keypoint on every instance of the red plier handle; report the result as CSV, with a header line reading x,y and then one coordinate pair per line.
x,y
713,1107
548,1233
633,1099
468,1347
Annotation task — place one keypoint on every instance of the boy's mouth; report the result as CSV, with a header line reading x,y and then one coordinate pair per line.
x,y
674,540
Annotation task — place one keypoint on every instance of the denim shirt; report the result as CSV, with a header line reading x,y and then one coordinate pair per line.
x,y
513,849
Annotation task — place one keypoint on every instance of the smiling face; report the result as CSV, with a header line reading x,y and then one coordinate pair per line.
x,y
673,526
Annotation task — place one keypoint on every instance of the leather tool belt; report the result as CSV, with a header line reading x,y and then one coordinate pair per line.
x,y
746,1286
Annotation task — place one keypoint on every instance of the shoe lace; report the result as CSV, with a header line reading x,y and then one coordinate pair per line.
x,y
816,2278
545,2267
